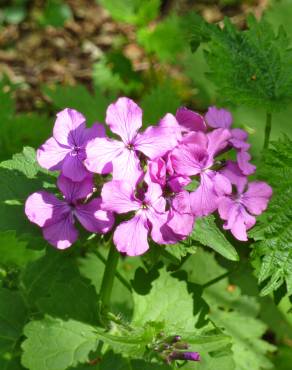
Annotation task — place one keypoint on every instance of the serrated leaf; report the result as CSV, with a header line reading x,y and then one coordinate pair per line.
x,y
249,67
207,233
272,253
53,344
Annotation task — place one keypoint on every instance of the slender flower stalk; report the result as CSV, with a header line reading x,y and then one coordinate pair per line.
x,y
108,280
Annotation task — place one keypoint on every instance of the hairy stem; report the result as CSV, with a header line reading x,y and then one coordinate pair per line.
x,y
268,129
108,279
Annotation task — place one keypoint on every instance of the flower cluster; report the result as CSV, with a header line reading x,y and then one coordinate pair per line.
x,y
160,179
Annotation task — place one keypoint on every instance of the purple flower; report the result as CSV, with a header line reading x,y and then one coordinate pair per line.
x,y
196,156
57,217
180,218
238,210
217,118
65,151
131,236
124,118
187,356
190,120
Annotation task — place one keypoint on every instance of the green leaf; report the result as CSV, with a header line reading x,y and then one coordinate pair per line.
x,y
15,252
13,315
207,233
166,40
79,98
235,313
138,12
165,293
55,13
53,283
164,98
272,253
114,74
53,344
19,177
249,67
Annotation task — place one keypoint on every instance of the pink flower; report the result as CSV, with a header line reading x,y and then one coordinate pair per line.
x,y
57,217
196,156
124,118
131,237
180,220
221,118
190,120
65,151
238,210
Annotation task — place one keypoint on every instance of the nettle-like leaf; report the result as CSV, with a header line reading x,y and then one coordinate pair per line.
x,y
249,67
137,12
20,177
208,234
13,315
235,313
272,251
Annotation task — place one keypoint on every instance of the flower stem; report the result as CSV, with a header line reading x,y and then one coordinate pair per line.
x,y
108,280
268,129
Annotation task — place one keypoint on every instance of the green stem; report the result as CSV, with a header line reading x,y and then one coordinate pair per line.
x,y
268,129
217,279
118,275
108,279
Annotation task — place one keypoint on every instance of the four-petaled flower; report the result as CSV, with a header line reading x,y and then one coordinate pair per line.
x,y
57,217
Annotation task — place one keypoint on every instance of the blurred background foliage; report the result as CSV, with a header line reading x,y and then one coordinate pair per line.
x,y
84,53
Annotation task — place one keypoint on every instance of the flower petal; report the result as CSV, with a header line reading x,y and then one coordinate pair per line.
x,y
222,184
204,199
238,220
73,190
217,141
235,176
170,123
127,166
181,202
130,237
51,155
100,153
43,208
124,118
93,218
190,120
156,141
96,130
181,223
216,117
243,159
157,171
69,126
74,168
61,234
188,160
256,197
118,196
